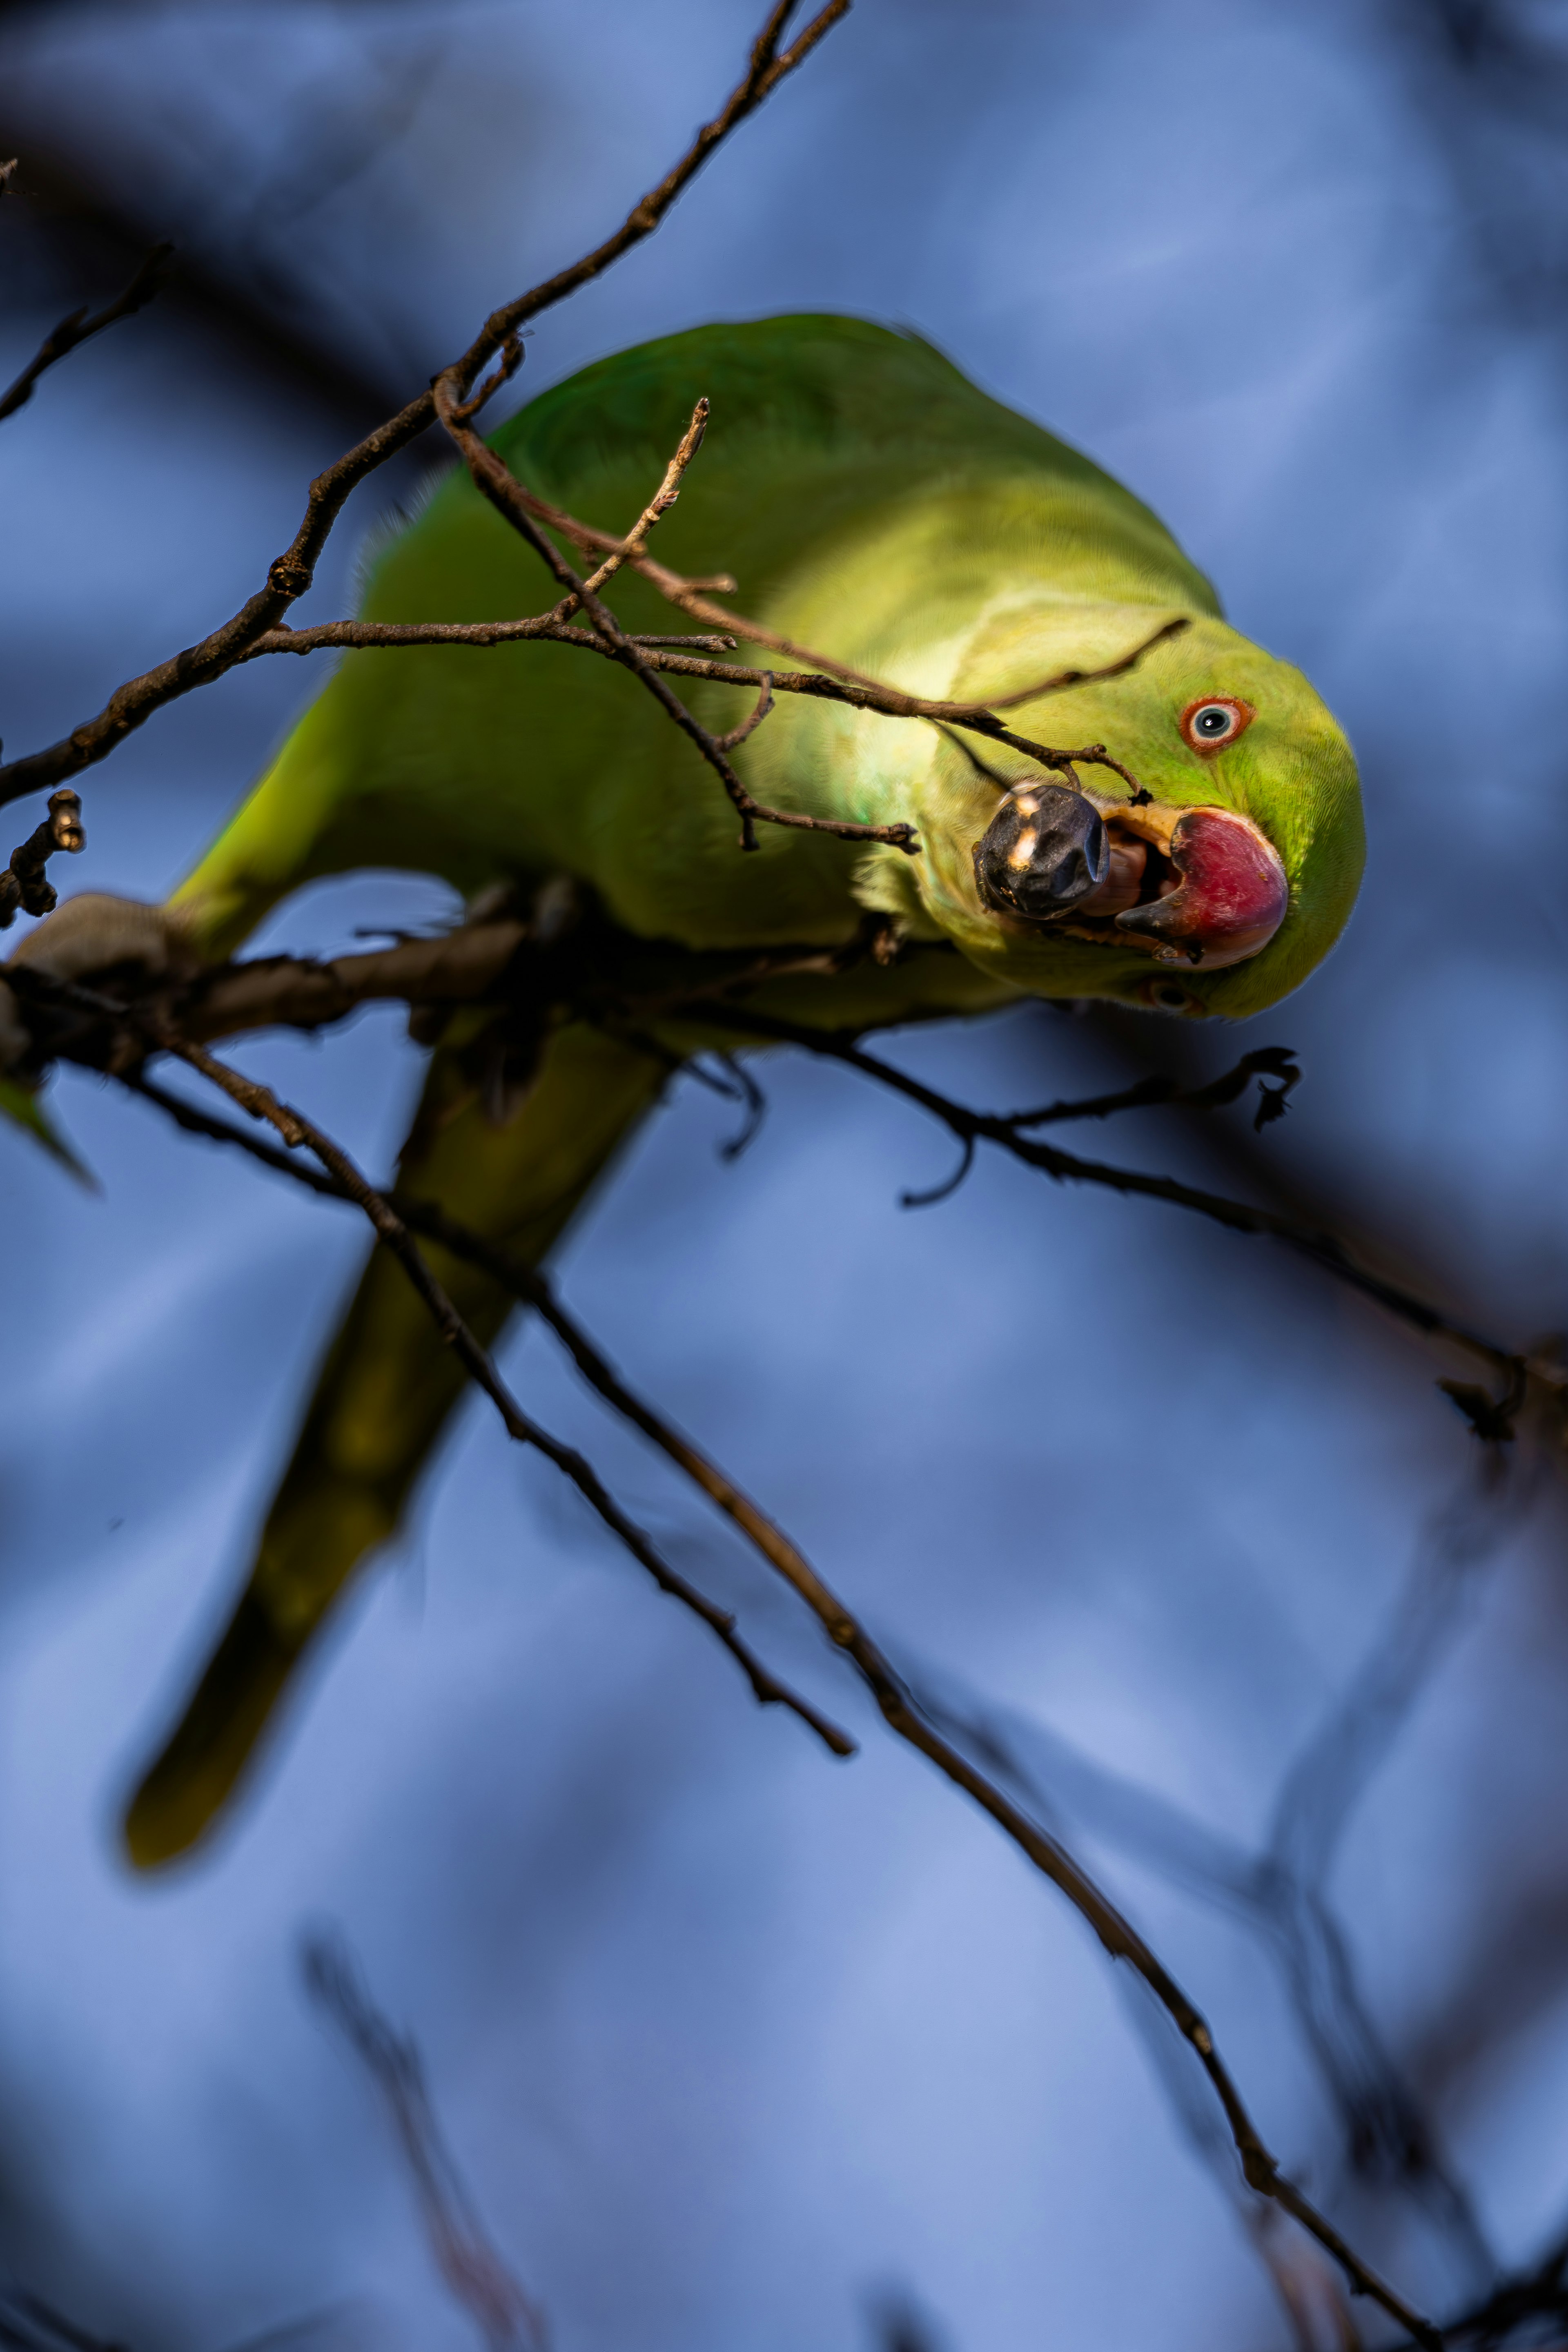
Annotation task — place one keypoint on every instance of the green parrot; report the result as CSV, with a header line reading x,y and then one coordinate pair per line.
x,y
875,505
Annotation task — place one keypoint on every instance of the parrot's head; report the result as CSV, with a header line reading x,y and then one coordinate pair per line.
x,y
1214,885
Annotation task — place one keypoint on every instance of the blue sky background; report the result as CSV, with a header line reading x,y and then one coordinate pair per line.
x,y
732,2042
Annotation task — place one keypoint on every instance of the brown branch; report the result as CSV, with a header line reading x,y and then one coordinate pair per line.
x,y
292,573
24,883
754,717
896,1701
1276,1062
690,596
373,636
768,67
828,684
837,682
81,324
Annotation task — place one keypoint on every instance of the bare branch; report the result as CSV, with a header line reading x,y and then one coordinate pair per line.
x,y
828,684
1267,1062
81,324
753,719
380,636
657,507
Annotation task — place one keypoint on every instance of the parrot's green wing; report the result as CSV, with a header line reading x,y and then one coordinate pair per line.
x,y
385,1390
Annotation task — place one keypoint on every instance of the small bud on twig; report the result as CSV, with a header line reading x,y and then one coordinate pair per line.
x,y
24,883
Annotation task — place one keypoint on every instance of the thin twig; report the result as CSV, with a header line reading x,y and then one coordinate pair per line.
x,y
370,636
507,2317
754,717
81,325
692,596
292,572
1267,1062
825,684
657,507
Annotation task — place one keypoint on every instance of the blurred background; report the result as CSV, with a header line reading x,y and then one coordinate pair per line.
x,y
735,2046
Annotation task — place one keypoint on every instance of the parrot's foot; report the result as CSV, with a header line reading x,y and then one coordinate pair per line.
x,y
93,938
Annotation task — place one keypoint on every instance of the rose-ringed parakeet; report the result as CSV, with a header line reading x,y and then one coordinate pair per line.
x,y
877,505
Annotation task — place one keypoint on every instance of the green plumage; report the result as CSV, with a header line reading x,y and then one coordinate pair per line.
x,y
871,503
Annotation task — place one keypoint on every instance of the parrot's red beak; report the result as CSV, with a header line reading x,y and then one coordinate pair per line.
x,y
1222,896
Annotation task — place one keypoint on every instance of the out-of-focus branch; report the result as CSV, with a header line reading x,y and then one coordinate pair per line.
x,y
83,325
292,572
506,2317
898,1705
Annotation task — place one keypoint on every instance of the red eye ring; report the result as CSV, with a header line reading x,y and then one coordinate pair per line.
x,y
1206,741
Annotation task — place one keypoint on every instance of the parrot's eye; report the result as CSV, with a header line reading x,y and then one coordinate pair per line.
x,y
1216,720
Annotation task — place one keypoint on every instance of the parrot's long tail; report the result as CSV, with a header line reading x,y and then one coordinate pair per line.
x,y
385,1390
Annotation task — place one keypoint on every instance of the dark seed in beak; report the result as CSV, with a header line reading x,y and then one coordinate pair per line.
x,y
1043,851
